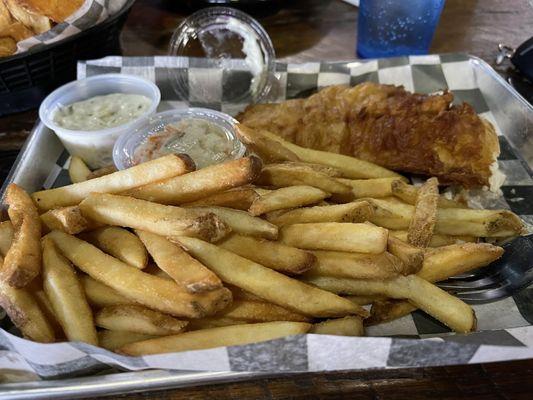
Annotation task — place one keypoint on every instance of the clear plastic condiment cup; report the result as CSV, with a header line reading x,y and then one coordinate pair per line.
x,y
126,145
95,147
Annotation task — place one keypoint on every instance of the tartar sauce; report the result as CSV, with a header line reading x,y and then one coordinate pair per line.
x,y
102,112
205,142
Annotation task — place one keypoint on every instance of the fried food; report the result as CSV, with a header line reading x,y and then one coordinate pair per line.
x,y
78,171
100,295
260,311
112,340
425,214
239,199
36,21
22,262
387,125
6,237
287,197
347,326
56,10
8,46
66,219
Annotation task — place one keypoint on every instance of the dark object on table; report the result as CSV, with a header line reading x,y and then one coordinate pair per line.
x,y
253,7
26,78
522,59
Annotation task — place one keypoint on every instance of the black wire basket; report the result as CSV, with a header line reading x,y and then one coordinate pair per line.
x,y
27,78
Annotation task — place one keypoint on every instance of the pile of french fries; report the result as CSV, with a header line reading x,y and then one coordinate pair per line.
x,y
161,257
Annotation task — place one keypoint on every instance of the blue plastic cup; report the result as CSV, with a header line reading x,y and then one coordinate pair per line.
x,y
388,28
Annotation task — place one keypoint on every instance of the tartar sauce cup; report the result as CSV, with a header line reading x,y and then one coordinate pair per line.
x,y
124,152
95,147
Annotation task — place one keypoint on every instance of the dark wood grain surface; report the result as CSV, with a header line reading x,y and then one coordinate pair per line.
x,y
326,30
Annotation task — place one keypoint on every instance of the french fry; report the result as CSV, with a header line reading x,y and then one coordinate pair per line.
x,y
376,188
25,313
119,243
138,319
269,150
347,326
241,294
441,305
255,311
425,215
112,340
450,221
22,262
213,322
66,219
350,167
365,300
287,197
238,198
358,211
97,173
359,238
409,193
274,255
411,256
439,264
198,184
243,223
283,175
152,217
78,171
269,284
120,181
66,296
49,313
216,337
179,265
6,237
100,295
355,265
437,240
330,171
148,290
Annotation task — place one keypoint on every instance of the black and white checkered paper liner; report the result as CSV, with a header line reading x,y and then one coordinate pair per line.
x,y
91,13
505,331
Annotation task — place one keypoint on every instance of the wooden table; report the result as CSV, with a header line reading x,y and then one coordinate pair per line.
x,y
326,30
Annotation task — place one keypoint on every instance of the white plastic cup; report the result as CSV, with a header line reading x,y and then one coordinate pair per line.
x,y
96,147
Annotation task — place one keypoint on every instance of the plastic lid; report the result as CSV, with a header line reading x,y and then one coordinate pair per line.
x,y
232,43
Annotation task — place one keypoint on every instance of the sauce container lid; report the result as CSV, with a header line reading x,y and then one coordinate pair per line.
x,y
230,42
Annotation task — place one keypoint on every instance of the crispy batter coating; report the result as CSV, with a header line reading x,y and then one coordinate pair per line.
x,y
385,124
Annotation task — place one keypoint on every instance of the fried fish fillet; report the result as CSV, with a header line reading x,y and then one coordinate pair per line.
x,y
385,124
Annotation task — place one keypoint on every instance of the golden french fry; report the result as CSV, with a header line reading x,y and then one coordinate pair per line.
x,y
439,264
355,265
97,173
255,311
347,326
179,265
67,297
269,150
241,294
100,295
198,184
269,284
376,188
274,255
411,256
152,217
138,319
6,237
213,322
148,290
437,240
358,211
359,238
119,243
349,166
112,340
287,197
425,215
49,313
441,305
365,300
22,262
409,193
216,337
325,169
243,223
282,175
66,219
37,22
120,181
239,198
78,171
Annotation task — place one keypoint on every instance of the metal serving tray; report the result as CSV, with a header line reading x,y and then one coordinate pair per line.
x,y
513,115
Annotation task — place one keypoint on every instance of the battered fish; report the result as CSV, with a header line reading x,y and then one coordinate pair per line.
x,y
385,124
